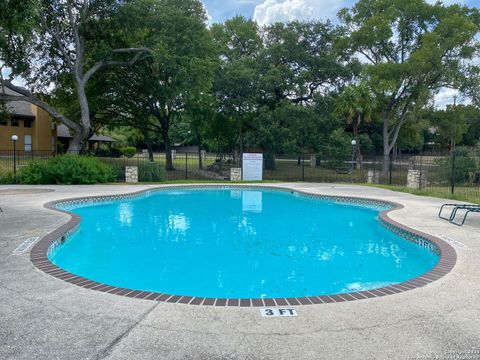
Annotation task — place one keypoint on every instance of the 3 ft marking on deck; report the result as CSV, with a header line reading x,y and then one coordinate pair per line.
x,y
280,312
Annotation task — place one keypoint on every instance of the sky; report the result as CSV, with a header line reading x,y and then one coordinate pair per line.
x,y
269,11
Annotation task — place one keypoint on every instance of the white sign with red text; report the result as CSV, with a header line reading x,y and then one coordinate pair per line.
x,y
252,169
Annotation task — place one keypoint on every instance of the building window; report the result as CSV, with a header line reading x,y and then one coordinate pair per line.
x,y
27,123
28,142
15,122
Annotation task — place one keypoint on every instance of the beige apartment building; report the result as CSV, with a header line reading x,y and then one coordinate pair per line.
x,y
33,126
36,131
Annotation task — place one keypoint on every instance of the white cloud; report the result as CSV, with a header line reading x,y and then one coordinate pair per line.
x,y
209,17
446,97
271,11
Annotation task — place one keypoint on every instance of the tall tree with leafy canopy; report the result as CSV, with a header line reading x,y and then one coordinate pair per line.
x,y
199,112
412,49
176,72
302,59
299,61
236,80
356,103
49,39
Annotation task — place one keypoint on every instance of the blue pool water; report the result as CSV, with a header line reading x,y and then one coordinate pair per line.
x,y
238,243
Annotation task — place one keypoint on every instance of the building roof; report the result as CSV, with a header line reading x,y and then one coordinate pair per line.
x,y
64,132
22,108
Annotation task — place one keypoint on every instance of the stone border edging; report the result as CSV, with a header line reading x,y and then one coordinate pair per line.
x,y
39,255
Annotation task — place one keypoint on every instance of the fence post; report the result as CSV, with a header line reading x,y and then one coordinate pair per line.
x,y
303,166
390,166
186,166
14,163
452,175
421,171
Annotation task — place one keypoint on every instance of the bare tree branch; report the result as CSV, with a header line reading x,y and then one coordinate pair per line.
x,y
55,33
101,64
78,42
396,130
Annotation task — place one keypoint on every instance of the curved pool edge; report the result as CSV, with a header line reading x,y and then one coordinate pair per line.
x,y
39,254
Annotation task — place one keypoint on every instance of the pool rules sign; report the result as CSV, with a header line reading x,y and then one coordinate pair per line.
x,y
252,167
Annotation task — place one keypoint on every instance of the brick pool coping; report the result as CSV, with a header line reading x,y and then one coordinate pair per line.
x,y
39,254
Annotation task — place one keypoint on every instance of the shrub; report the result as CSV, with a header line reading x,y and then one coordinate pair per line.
x,y
36,172
150,171
6,178
104,151
129,151
67,169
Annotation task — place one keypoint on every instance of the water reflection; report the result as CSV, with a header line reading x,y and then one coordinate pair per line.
x,y
178,223
173,228
252,201
236,194
125,213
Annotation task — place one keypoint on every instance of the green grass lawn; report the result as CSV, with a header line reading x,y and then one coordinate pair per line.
x,y
290,170
462,193
193,181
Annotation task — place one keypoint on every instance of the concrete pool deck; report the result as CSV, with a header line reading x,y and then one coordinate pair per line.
x,y
43,317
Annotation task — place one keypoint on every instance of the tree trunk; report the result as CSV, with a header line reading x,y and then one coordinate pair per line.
x,y
199,144
386,146
148,142
79,139
75,145
168,150
240,139
358,151
269,160
150,150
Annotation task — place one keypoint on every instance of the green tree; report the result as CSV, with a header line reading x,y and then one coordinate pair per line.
x,y
153,95
44,41
236,79
472,115
412,49
199,112
299,61
451,124
287,129
356,103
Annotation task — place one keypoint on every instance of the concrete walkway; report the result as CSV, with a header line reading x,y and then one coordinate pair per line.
x,y
42,317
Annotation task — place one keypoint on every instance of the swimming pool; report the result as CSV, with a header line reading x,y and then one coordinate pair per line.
x,y
235,243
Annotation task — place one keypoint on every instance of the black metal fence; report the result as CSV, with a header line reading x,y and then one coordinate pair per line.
x,y
13,161
443,172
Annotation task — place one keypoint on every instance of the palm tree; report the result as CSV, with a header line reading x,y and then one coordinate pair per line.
x,y
356,103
